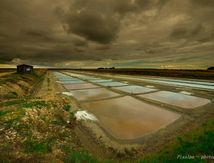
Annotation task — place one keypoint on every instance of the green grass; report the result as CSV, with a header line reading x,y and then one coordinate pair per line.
x,y
34,104
72,115
2,113
59,122
23,129
80,157
196,143
77,156
14,119
67,107
11,95
11,102
15,78
34,146
26,104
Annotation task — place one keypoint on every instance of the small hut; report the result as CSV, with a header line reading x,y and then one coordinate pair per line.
x,y
24,69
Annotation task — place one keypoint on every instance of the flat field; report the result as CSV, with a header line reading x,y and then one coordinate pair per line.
x,y
103,116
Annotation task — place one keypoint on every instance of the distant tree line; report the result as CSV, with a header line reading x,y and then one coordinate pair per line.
x,y
101,68
211,68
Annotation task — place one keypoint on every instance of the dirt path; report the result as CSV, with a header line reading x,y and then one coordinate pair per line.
x,y
49,88
91,144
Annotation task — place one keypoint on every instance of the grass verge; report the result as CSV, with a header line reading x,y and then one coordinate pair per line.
x,y
193,146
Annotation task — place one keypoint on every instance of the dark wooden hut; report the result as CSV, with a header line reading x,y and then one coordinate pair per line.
x,y
24,69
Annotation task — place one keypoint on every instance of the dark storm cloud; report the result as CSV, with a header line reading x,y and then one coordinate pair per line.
x,y
207,3
42,31
99,21
94,26
187,31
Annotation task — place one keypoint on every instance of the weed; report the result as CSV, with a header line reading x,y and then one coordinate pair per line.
x,y
80,156
60,122
34,104
67,107
194,143
11,102
12,95
2,113
23,129
72,116
34,146
77,156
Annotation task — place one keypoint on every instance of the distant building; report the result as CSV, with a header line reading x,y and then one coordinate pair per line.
x,y
24,69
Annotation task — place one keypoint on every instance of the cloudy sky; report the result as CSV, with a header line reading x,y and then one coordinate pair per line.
x,y
126,33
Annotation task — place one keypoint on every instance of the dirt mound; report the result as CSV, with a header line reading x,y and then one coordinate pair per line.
x,y
17,85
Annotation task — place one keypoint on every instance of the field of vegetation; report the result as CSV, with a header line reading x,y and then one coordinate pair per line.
x,y
194,146
32,129
15,85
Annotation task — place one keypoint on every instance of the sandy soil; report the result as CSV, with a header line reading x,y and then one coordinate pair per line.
x,y
49,88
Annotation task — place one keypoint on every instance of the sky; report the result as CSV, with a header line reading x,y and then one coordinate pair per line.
x,y
121,33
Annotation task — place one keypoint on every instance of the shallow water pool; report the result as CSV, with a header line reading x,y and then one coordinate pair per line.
x,y
135,89
129,118
112,84
93,94
176,99
80,86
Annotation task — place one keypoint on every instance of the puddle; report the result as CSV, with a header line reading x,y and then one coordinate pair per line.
x,y
177,99
93,94
78,75
67,79
112,84
150,86
71,82
94,79
80,86
185,92
129,118
189,81
134,89
67,93
89,78
62,77
85,77
100,81
84,115
180,83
